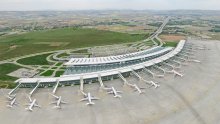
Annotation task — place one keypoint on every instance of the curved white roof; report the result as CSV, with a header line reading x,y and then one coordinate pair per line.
x,y
114,59
109,72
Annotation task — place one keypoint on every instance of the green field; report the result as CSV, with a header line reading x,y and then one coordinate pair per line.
x,y
170,44
5,69
35,60
7,84
59,73
47,73
59,64
81,51
59,39
157,41
54,68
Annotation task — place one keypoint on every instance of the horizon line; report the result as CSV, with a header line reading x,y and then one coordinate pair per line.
x,y
112,10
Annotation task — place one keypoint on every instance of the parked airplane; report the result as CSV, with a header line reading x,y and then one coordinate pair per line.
x,y
89,98
33,103
177,73
138,89
154,84
11,97
58,101
114,92
197,61
12,103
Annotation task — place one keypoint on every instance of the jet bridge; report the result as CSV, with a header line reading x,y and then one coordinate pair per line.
x,y
185,52
56,86
100,81
167,64
177,62
136,74
82,86
186,55
140,78
149,71
161,69
38,83
134,86
13,90
183,59
122,77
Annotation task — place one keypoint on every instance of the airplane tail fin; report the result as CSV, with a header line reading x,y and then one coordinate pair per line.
x,y
57,107
90,103
54,95
29,109
64,102
117,96
37,105
142,92
9,106
11,97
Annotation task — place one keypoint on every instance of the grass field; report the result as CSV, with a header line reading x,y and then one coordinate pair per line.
x,y
157,41
7,84
58,39
81,51
59,64
35,60
170,43
59,73
5,69
63,55
47,73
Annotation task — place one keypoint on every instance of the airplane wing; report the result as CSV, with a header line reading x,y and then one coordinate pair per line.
x,y
142,88
36,105
63,102
53,102
119,91
94,98
10,106
29,98
54,96
29,109
84,99
110,92
108,89
57,107
27,104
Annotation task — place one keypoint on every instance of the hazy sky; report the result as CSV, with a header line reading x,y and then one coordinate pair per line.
x,y
108,4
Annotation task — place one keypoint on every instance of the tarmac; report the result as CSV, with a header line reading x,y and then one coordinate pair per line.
x,y
191,99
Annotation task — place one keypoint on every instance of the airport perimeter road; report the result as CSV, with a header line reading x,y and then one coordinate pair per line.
x,y
192,99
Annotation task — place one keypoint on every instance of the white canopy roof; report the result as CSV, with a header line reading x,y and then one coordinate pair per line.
x,y
106,73
108,59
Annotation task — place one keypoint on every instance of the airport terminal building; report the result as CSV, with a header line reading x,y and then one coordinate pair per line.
x,y
89,70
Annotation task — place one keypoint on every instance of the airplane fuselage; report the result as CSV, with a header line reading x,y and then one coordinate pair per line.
x,y
32,104
13,102
89,98
154,84
138,89
115,92
177,73
59,101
